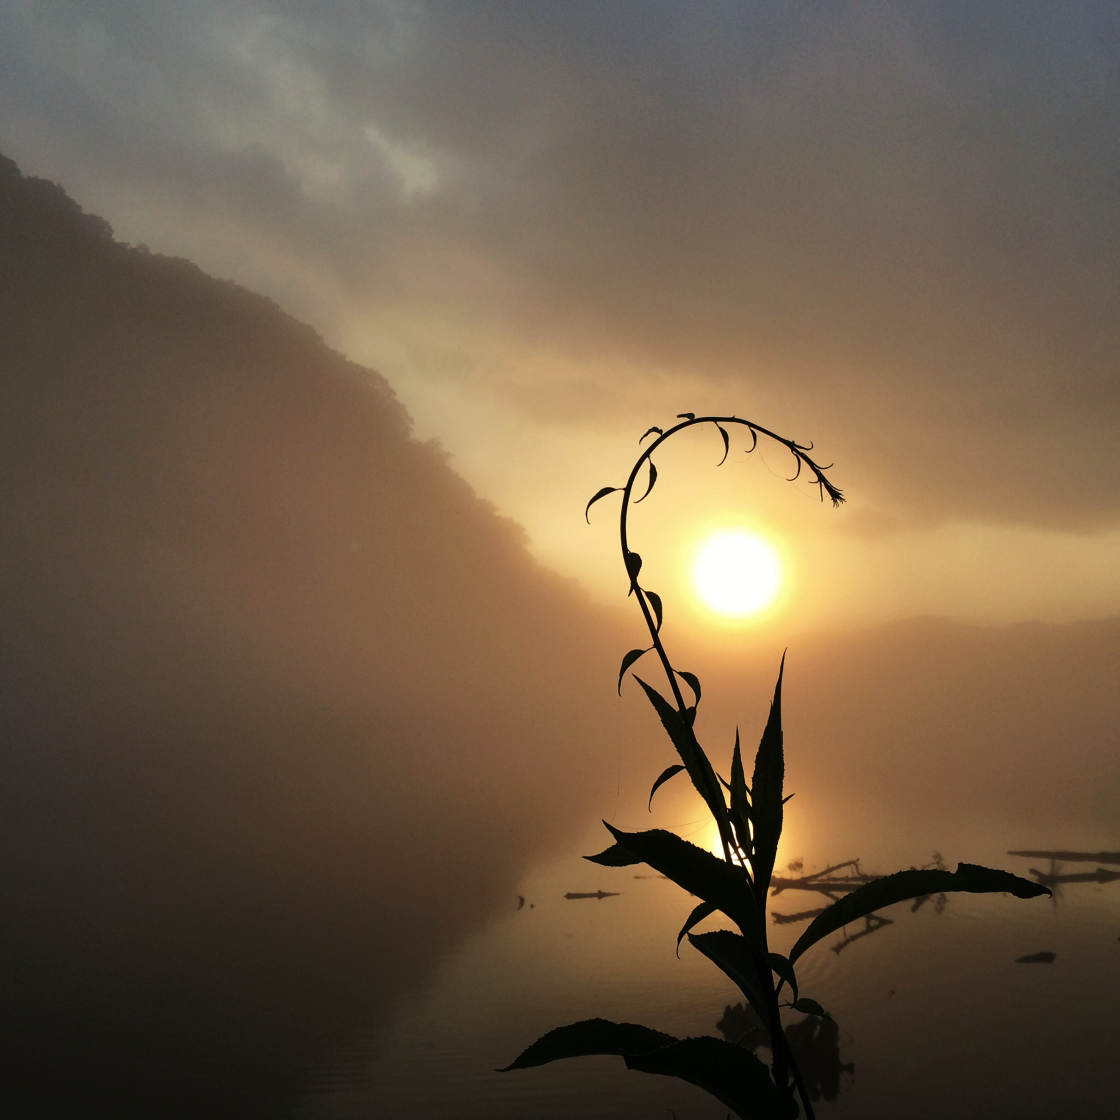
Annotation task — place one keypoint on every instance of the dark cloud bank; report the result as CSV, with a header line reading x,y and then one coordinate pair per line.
x,y
287,708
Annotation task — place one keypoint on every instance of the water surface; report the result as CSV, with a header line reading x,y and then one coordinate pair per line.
x,y
937,1016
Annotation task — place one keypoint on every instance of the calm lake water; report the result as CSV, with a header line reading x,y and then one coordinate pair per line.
x,y
936,1015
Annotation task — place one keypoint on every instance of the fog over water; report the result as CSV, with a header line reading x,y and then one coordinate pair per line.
x,y
289,710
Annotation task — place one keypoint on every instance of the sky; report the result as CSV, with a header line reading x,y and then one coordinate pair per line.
x,y
890,229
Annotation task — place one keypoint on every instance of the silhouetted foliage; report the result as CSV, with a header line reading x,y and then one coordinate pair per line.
x,y
749,820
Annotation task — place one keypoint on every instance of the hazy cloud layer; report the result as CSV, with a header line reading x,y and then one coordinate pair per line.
x,y
895,221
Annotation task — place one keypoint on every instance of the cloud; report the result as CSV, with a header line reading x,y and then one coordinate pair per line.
x,y
895,224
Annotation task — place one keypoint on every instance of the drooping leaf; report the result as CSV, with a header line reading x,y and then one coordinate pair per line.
x,y
649,484
782,966
731,1074
589,1036
695,761
655,602
732,953
766,793
599,494
686,415
726,445
627,661
692,680
695,870
650,432
797,473
905,885
662,778
754,440
809,1006
740,799
698,914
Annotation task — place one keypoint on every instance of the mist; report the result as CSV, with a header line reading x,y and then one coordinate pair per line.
x,y
288,708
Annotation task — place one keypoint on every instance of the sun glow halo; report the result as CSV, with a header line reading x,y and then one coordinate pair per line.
x,y
736,574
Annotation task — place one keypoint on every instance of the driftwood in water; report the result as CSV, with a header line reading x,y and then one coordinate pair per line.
x,y
1072,857
592,894
1101,875
824,881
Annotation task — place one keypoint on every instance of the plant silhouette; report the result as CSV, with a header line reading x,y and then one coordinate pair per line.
x,y
749,820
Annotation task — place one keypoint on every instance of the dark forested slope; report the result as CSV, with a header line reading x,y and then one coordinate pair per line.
x,y
272,677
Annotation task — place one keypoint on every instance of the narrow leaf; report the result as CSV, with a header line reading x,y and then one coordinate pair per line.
x,y
766,793
599,494
655,602
590,1036
781,965
686,415
731,1074
649,484
699,913
692,680
732,953
694,869
627,661
726,445
664,776
754,440
740,799
650,432
905,885
695,761
797,473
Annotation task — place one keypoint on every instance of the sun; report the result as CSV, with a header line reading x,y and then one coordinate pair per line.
x,y
736,573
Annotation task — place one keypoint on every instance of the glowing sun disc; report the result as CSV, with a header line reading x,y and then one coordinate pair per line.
x,y
736,573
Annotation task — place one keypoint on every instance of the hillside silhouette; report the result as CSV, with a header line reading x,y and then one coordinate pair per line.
x,y
271,672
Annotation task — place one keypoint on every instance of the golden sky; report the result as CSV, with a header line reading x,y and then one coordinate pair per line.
x,y
889,229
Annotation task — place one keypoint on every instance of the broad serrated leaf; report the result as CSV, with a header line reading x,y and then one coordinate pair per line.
x,y
627,661
614,856
905,885
649,484
699,913
739,961
599,494
809,1006
662,778
589,1036
692,680
726,445
766,793
650,432
782,966
731,1074
695,761
740,799
655,602
694,869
